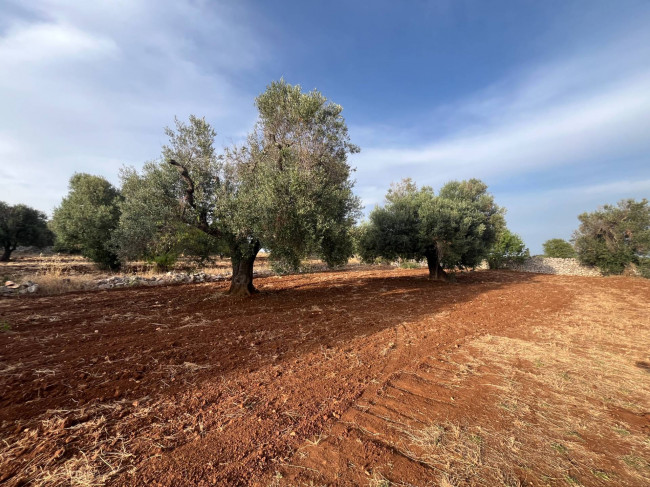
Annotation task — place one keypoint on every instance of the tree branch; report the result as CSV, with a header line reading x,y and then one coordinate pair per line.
x,y
189,191
202,223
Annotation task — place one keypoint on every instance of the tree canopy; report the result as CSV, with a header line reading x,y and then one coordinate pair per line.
x,y
557,247
508,248
86,218
287,189
614,236
22,225
456,228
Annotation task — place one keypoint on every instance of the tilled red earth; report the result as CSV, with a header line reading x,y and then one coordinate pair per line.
x,y
181,385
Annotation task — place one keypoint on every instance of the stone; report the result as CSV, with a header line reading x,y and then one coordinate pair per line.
x,y
552,265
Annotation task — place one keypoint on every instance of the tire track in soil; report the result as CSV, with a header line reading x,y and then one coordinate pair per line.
x,y
418,388
375,442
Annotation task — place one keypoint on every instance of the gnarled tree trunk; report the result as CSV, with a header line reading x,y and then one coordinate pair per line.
x,y
436,272
241,283
7,253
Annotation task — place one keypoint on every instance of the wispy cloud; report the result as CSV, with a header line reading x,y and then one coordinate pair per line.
x,y
613,122
35,45
573,112
89,86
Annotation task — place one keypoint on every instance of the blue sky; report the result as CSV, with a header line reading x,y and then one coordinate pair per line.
x,y
547,102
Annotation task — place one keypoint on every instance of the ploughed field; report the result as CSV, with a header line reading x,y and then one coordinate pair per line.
x,y
370,377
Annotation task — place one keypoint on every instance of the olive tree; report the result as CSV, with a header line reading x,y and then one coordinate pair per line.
x,y
557,247
86,219
395,230
21,225
287,189
614,236
152,224
456,228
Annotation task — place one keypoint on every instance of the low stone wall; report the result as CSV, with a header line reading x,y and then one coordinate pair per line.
x,y
541,265
169,278
10,287
552,265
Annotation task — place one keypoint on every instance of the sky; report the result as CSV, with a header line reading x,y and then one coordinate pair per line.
x,y
547,102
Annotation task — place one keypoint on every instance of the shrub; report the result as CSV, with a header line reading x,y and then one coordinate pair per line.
x,y
164,261
557,247
509,248
644,267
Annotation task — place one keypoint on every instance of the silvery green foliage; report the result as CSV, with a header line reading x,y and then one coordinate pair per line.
x,y
395,230
296,182
453,229
613,237
156,222
463,222
287,189
86,218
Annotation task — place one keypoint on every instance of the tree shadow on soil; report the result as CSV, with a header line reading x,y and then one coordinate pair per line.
x,y
124,343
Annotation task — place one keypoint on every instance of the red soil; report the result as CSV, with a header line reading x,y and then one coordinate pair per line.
x,y
181,385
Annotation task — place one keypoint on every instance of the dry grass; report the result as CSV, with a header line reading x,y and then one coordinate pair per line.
x,y
49,284
89,446
559,393
57,274
58,456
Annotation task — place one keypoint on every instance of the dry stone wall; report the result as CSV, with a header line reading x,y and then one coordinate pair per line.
x,y
553,265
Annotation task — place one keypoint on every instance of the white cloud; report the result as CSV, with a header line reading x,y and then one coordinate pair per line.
x,y
588,108
613,123
48,43
89,86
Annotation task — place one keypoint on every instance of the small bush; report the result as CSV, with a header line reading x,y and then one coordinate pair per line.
x,y
164,261
556,247
644,267
509,248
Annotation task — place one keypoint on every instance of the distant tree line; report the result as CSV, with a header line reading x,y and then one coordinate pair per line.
x,y
22,225
287,190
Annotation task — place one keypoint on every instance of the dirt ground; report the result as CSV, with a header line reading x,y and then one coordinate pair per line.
x,y
370,377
